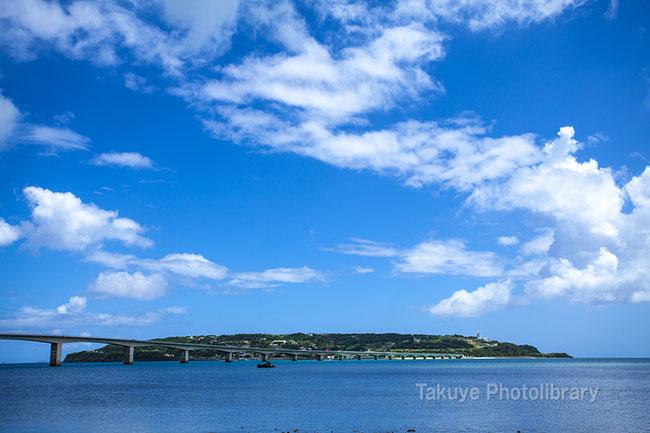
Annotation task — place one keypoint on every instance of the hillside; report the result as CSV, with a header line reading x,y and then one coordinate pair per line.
x,y
468,346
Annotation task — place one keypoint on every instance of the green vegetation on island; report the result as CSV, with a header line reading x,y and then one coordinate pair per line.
x,y
467,346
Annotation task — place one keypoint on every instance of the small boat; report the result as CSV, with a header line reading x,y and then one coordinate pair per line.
x,y
267,364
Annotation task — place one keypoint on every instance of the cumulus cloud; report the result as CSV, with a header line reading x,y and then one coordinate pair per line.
x,y
74,314
274,277
75,305
8,233
598,250
483,300
9,116
135,285
61,221
152,276
124,159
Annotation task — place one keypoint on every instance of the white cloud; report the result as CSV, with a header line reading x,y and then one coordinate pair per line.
x,y
102,31
446,257
507,241
612,10
273,277
483,14
540,244
596,282
492,296
312,80
189,265
455,153
359,16
135,285
8,233
365,247
638,189
185,269
363,270
182,264
75,305
450,257
560,187
137,83
74,314
124,159
61,221
9,115
55,139
596,138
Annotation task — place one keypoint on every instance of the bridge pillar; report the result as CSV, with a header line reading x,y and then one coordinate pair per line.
x,y
265,357
228,356
128,355
390,356
294,357
358,357
319,357
55,354
375,357
340,357
185,357
403,357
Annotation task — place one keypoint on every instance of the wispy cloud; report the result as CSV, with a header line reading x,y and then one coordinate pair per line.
x,y
274,277
9,117
74,314
124,159
137,83
55,139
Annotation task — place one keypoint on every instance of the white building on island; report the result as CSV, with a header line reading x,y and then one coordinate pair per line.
x,y
480,338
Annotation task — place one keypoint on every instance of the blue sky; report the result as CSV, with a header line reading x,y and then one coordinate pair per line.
x,y
411,166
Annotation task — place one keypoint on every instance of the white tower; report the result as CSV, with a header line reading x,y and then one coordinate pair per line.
x,y
478,336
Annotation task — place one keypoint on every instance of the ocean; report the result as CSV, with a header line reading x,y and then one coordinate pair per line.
x,y
464,395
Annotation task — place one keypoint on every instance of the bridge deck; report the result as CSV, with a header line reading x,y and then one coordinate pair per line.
x,y
57,340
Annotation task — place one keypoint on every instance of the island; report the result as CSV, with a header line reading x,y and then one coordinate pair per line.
x,y
473,346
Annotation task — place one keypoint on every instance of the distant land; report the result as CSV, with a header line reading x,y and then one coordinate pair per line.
x,y
467,346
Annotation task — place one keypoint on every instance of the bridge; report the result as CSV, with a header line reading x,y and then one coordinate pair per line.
x,y
57,341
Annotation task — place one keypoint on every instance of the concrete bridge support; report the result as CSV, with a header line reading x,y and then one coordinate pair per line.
x,y
359,357
319,357
389,357
228,356
128,355
55,354
403,357
265,357
375,357
185,357
340,357
294,357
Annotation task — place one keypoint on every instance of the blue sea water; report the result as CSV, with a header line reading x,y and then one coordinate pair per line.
x,y
327,396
